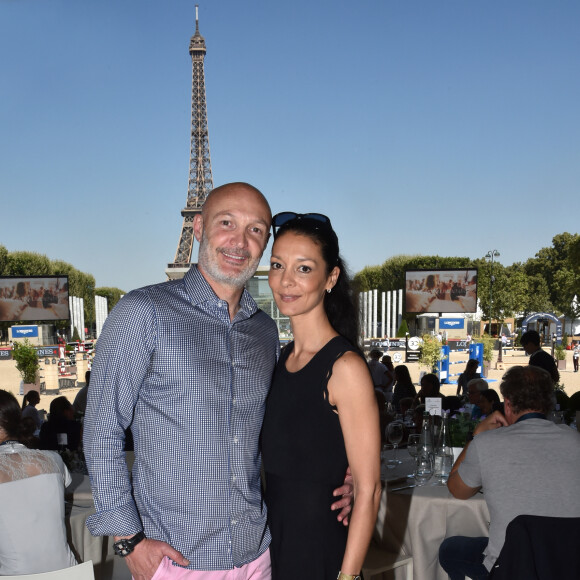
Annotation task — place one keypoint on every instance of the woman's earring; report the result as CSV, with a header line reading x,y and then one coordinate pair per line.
x,y
329,290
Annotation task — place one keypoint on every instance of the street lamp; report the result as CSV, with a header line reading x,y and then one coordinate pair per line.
x,y
491,255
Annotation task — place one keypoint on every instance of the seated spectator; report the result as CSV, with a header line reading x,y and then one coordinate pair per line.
x,y
61,431
528,466
404,386
467,375
31,399
474,390
489,402
80,402
32,482
430,387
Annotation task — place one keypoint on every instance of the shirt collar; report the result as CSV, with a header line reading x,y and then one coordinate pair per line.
x,y
532,415
199,291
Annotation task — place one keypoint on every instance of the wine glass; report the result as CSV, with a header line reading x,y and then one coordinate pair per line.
x,y
423,467
446,465
413,444
395,436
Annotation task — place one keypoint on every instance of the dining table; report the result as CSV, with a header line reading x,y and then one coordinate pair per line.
x,y
413,520
99,549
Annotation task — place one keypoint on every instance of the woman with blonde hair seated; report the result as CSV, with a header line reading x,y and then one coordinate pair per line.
x,y
32,482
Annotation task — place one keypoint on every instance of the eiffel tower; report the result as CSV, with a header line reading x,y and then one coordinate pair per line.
x,y
200,177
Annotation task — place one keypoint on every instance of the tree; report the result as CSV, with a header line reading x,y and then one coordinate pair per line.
x,y
26,358
430,352
403,329
3,260
79,284
556,265
113,295
27,264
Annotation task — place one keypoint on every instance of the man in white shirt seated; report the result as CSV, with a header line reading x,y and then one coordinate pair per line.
x,y
525,465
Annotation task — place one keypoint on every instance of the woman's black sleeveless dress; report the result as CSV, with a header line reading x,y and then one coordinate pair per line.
x,y
304,461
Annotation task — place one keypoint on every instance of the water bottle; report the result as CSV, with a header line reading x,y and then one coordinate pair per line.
x,y
424,459
443,448
426,434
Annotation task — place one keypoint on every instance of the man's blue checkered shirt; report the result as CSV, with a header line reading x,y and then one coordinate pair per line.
x,y
192,386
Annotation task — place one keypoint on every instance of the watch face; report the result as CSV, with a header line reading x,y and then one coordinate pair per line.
x,y
122,548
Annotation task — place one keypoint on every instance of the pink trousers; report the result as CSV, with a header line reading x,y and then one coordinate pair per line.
x,y
259,569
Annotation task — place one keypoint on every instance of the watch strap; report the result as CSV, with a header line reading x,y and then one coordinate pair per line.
x,y
125,546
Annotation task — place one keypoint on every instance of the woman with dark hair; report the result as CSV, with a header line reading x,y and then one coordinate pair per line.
x,y
61,431
430,387
32,482
404,386
29,410
489,402
321,413
469,373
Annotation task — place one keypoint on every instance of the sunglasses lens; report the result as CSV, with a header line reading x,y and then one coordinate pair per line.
x,y
318,217
281,218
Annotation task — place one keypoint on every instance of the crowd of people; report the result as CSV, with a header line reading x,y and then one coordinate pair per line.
x,y
192,370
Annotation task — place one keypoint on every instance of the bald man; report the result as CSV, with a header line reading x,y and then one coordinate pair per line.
x,y
187,365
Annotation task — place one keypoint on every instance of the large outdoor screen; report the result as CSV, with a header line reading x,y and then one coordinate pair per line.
x,y
33,298
441,290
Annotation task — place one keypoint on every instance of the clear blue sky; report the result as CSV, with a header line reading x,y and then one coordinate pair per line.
x,y
419,127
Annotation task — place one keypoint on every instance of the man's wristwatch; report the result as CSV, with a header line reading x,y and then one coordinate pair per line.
x,y
342,576
125,546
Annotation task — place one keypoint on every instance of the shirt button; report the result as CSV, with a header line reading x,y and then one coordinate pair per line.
x,y
234,522
234,478
235,439
234,402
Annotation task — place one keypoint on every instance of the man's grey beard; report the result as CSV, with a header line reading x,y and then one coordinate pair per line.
x,y
210,266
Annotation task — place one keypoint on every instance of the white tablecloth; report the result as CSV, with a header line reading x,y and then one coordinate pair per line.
x,y
415,521
86,546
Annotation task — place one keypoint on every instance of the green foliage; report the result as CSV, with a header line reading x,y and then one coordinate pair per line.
x,y
26,359
79,284
403,329
76,337
560,352
113,295
430,352
488,345
557,265
3,260
27,264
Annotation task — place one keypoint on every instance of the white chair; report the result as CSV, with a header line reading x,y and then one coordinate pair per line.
x,y
83,571
378,561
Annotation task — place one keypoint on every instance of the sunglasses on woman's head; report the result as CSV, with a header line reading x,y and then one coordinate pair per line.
x,y
282,218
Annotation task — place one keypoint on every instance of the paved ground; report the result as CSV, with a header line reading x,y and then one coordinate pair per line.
x,y
10,378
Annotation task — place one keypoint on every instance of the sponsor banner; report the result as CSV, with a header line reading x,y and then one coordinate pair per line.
x,y
5,354
457,344
47,351
24,331
452,323
386,343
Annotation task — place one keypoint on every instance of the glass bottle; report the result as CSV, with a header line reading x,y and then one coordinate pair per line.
x,y
426,434
424,458
443,448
